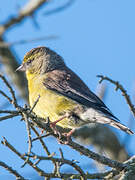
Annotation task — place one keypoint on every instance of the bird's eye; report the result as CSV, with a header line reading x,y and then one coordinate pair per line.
x,y
29,61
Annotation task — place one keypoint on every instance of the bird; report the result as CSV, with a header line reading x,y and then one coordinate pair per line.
x,y
62,95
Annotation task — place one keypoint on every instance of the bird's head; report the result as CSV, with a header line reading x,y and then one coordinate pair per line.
x,y
41,60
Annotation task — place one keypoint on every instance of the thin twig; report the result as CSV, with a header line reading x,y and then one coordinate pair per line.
x,y
7,144
29,137
61,160
41,137
27,10
12,114
90,154
8,117
14,101
43,144
59,9
41,141
122,89
52,175
26,113
87,152
61,153
9,44
12,171
7,97
77,168
8,112
35,103
82,149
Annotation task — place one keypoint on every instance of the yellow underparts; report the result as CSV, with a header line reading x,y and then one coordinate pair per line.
x,y
50,104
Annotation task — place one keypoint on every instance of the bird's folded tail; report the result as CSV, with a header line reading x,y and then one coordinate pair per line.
x,y
116,124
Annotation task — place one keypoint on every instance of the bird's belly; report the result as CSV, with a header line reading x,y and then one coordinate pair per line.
x,y
54,106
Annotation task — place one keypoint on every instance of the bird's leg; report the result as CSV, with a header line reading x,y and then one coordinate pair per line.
x,y
70,132
67,115
68,135
53,125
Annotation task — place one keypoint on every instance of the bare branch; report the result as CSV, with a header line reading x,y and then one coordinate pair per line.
x,y
82,149
7,144
59,9
7,117
10,64
27,10
8,112
9,44
52,175
26,113
124,92
14,102
7,57
29,137
61,160
87,152
43,136
12,171
7,97
41,141
79,148
102,159
99,136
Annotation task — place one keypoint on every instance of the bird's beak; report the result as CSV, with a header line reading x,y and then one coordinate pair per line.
x,y
21,68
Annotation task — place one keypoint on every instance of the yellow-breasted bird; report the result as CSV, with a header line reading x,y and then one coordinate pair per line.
x,y
64,97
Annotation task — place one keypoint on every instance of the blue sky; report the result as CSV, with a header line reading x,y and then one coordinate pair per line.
x,y
94,37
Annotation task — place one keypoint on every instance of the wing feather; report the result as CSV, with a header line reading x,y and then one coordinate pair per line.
x,y
67,83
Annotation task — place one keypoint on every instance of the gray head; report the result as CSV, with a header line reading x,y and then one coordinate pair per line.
x,y
41,60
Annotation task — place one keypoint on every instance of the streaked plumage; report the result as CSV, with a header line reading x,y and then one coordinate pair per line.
x,y
62,92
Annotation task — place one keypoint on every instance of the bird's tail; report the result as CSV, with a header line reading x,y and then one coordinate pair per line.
x,y
94,116
117,125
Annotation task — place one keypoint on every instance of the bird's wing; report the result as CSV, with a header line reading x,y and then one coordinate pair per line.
x,y
67,83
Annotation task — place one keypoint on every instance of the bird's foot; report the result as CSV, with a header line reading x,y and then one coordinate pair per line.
x,y
66,137
63,138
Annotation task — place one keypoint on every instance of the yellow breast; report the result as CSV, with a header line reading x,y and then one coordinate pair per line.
x,y
50,104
